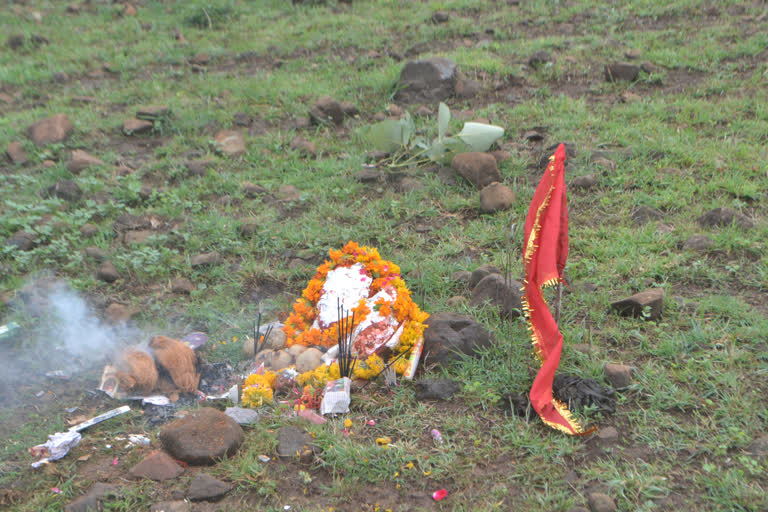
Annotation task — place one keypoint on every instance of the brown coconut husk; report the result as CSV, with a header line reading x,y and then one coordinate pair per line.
x,y
136,371
179,360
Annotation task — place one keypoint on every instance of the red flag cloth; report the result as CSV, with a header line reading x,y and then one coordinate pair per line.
x,y
545,252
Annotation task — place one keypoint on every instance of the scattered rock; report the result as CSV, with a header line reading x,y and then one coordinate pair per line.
x,y
725,217
127,221
621,71
208,258
480,272
308,360
456,301
493,289
89,230
326,110
253,190
170,506
466,88
644,214
93,499
647,304
584,182
249,229
205,487
759,447
202,436
276,339
281,359
423,111
230,142
496,197
698,243
67,190
243,416
156,466
128,10
599,502
52,130
619,375
137,126
450,335
153,112
294,442
137,237
81,160
440,17
22,240
182,285
629,97
16,153
427,81
264,356
539,58
349,109
296,350
96,253
480,169
303,146
119,313
633,54
608,434
16,41
198,167
201,59
436,389
107,273
288,193
648,67
462,277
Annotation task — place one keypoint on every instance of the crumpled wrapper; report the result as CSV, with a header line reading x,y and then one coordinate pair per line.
x,y
336,397
57,446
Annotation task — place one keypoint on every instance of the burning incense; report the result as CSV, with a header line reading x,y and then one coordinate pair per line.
x,y
344,328
257,343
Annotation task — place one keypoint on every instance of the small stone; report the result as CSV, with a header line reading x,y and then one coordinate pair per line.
x,y
243,416
759,447
22,240
496,197
128,10
621,72
253,190
698,243
647,304
644,214
462,277
349,109
296,350
500,155
89,230
16,153
230,142
604,163
93,499
137,237
96,253
293,442
608,434
629,97
119,313
156,466
303,146
436,389
276,339
107,272
281,359
480,272
633,54
202,437
539,58
599,502
584,348
577,509
170,506
198,167
205,487
67,190
288,193
52,130
423,111
450,336
137,126
395,110
208,258
456,301
619,375
264,355
182,285
480,169
325,110
427,81
466,88
493,289
249,229
16,41
725,217
81,160
308,360
201,59
584,182
153,112
440,17
648,67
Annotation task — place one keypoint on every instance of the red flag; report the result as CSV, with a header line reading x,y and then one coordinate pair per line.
x,y
545,252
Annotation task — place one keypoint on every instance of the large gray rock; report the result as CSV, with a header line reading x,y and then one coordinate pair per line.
x,y
202,437
54,129
493,289
450,335
725,217
205,487
67,190
427,81
647,304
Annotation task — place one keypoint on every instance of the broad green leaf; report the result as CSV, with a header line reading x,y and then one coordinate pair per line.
x,y
408,128
443,119
385,136
444,150
479,136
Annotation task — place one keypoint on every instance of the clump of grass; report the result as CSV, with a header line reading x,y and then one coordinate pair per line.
x,y
210,16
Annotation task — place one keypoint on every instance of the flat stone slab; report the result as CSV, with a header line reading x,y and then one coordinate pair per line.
x,y
205,487
294,442
156,466
202,437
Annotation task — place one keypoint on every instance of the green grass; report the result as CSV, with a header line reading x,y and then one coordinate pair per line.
x,y
697,141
